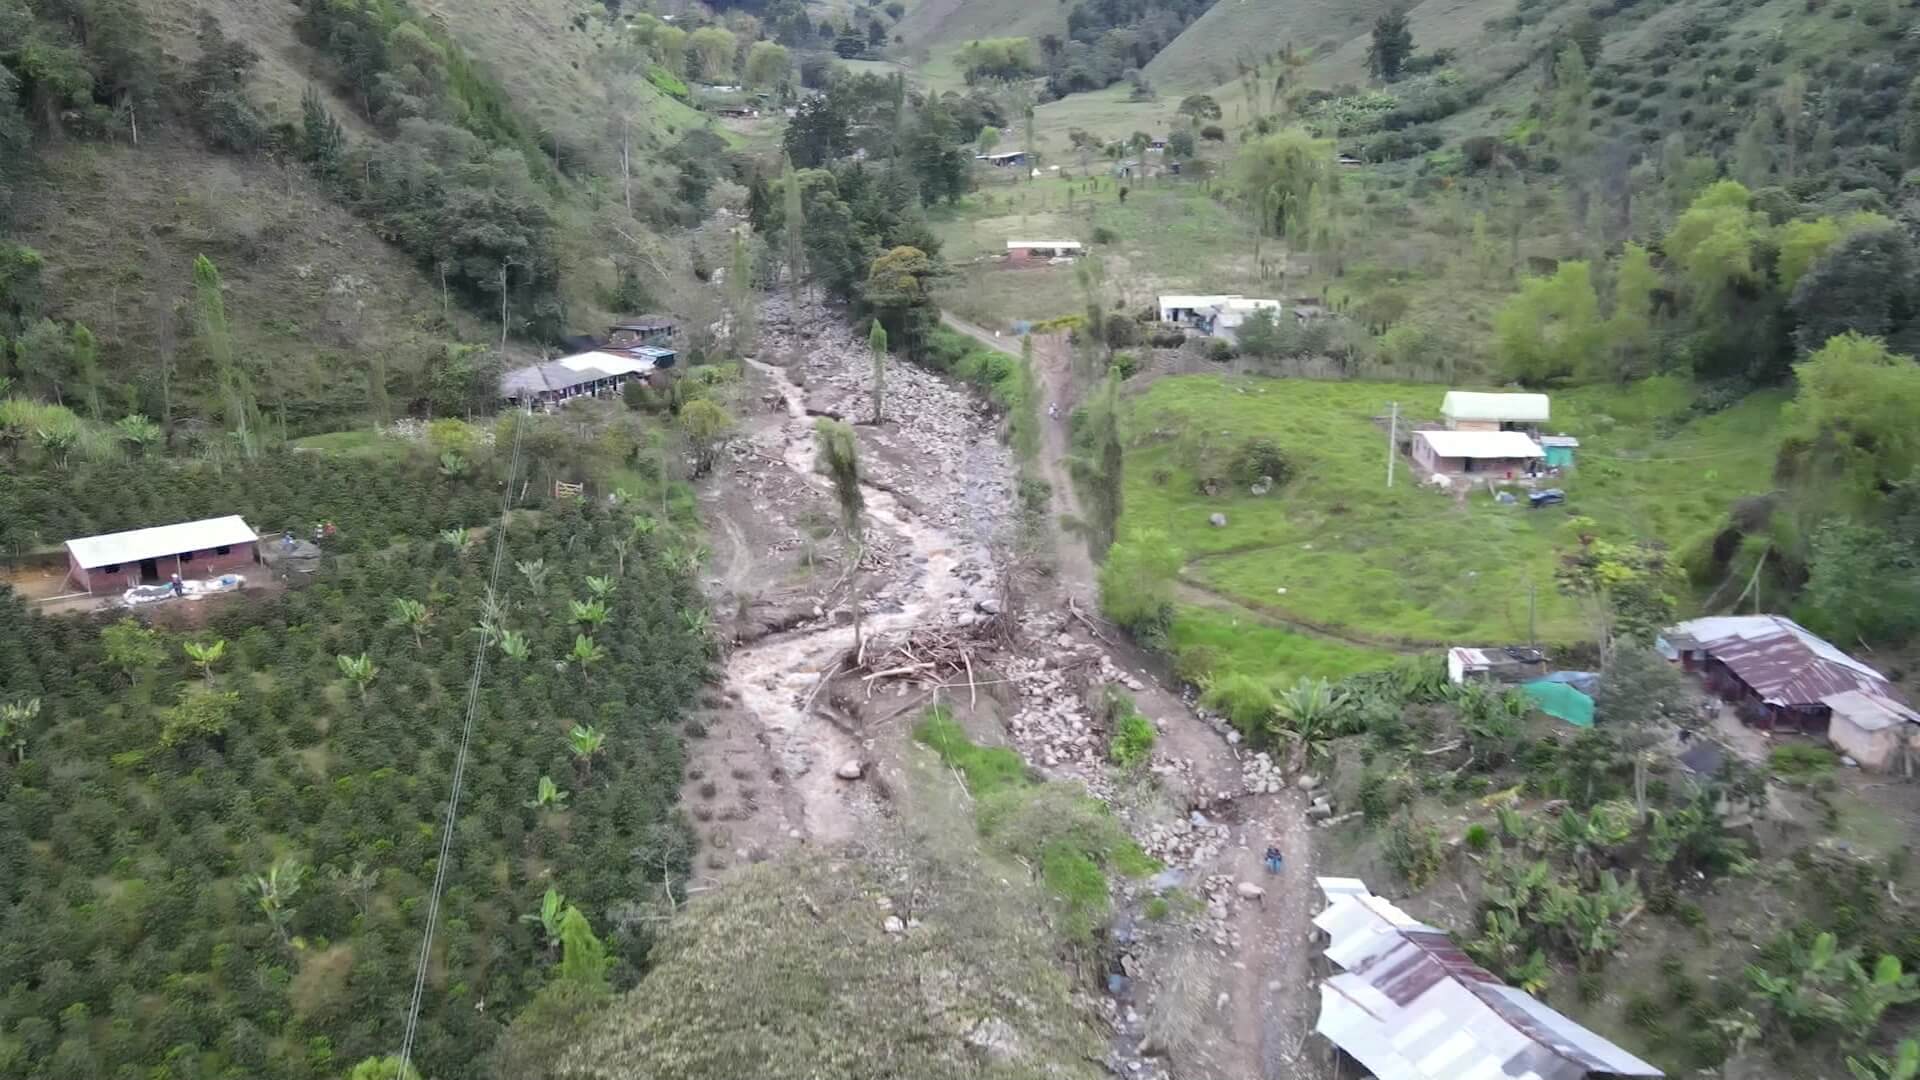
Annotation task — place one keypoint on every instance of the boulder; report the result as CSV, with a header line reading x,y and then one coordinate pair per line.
x,y
851,769
1307,782
894,925
1249,891
1218,521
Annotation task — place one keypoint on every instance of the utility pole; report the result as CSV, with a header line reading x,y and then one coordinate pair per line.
x,y
1393,436
1533,637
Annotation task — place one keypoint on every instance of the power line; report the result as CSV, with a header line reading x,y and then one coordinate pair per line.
x,y
459,772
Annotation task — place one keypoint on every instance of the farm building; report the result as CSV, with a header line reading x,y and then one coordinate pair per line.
x,y
1476,453
1514,664
588,374
1024,250
1781,676
1224,319
1465,411
1003,160
648,330
1559,450
200,549
1180,308
1404,1002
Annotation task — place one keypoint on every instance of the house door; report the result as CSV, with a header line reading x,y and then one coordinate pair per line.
x,y
149,570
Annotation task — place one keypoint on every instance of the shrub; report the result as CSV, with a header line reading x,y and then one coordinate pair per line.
x,y
1213,133
1478,838
1219,351
1800,761
1644,1012
1132,741
1104,235
1258,457
1167,339
1245,701
1126,363
1158,909
1414,851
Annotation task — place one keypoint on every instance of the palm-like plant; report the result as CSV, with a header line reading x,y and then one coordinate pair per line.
x,y
274,891
622,547
1309,713
359,670
454,538
586,653
14,717
514,645
585,741
589,613
411,614
1905,1064
138,432
698,621
452,465
600,587
643,527
206,655
535,571
552,906
58,442
548,795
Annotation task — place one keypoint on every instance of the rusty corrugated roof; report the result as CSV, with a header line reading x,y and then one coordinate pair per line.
x,y
1784,662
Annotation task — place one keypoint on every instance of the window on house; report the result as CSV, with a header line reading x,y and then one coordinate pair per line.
x,y
186,556
112,568
223,549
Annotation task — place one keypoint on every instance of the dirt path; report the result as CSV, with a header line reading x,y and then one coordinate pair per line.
x,y
1261,990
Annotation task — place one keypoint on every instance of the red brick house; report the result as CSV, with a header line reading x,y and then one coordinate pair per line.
x,y
192,549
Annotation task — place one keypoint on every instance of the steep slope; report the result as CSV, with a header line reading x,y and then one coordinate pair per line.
x,y
933,29
1235,32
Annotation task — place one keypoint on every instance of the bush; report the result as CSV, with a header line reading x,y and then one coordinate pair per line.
x,y
1245,701
1167,339
1104,235
1801,761
1414,851
1133,740
1259,457
1213,133
1126,363
1478,838
1219,351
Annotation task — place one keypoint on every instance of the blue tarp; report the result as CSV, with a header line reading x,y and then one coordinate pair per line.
x,y
1583,681
1559,700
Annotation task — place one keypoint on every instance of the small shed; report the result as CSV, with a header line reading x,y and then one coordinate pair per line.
x,y
647,330
1492,453
1512,664
1560,701
1189,308
1559,450
1003,160
1467,411
116,561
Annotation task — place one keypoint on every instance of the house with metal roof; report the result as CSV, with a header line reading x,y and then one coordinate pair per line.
x,y
1781,676
1406,1004
1465,410
191,549
595,373
1476,452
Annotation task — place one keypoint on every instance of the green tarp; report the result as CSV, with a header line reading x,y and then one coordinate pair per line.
x,y
1557,699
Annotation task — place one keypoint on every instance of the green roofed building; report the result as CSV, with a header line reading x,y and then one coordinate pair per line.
x,y
1561,701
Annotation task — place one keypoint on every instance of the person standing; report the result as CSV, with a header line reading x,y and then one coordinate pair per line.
x,y
1274,859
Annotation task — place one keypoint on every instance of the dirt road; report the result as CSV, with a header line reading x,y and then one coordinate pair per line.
x,y
1261,991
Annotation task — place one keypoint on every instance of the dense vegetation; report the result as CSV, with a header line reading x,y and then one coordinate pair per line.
x,y
224,836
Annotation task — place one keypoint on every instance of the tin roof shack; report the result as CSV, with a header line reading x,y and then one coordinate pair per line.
x,y
1559,450
647,330
1513,664
119,561
1407,1004
1780,675
1467,411
1476,453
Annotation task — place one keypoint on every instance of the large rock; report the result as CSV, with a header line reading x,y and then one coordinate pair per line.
x,y
1218,521
851,769
1249,891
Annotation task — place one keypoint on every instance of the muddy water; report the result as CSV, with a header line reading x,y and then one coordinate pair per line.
x,y
776,677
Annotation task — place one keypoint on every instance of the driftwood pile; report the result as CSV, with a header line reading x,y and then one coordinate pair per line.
x,y
927,654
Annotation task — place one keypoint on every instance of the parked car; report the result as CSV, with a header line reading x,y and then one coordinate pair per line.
x,y
1548,497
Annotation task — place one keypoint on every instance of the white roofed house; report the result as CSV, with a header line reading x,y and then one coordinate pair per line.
x,y
1022,250
593,373
1466,411
191,549
1186,308
1476,453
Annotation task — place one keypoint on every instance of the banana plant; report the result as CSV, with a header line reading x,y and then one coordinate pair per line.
x,y
548,795
274,891
585,741
589,613
454,538
453,466
514,645
586,653
206,655
14,717
411,614
536,572
1905,1064
600,587
359,670
552,906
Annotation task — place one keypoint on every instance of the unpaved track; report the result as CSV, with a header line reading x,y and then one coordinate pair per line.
x,y
1270,1006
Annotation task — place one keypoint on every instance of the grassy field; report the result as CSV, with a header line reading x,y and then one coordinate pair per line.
x,y
1171,236
1335,548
